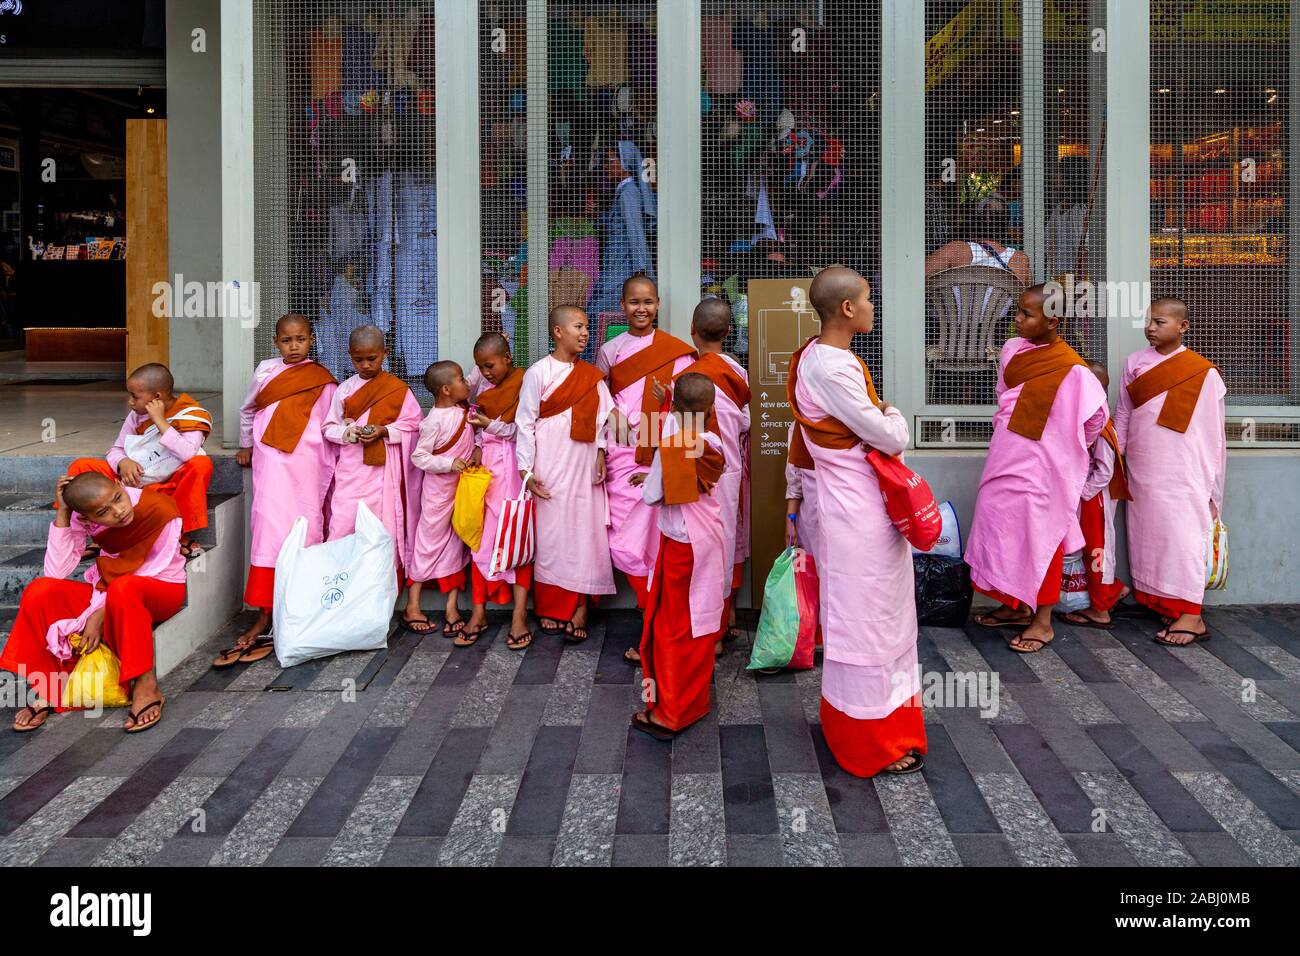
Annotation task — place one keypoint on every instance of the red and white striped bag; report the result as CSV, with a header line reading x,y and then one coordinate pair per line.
x,y
515,541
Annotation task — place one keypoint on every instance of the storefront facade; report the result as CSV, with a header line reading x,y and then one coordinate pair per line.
x,y
442,168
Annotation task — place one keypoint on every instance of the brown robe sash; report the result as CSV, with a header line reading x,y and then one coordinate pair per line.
x,y
691,467
1180,375
579,391
296,389
654,363
384,395
450,443
501,401
829,432
131,544
725,379
1118,486
1041,371
180,402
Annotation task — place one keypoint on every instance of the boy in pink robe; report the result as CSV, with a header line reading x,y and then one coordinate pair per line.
x,y
560,441
374,418
1170,421
630,360
1051,409
495,385
281,437
870,709
684,609
443,451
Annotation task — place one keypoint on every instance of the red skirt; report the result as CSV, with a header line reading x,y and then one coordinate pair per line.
x,y
451,582
677,667
1092,519
865,747
1049,592
554,602
498,592
1166,606
259,592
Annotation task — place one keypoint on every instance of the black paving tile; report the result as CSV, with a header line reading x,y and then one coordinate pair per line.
x,y
124,804
540,661
697,749
1262,788
1280,632
992,645
643,806
239,791
604,735
1239,659
1178,809
529,851
789,745
1137,637
641,849
1078,658
436,800
622,631
855,807
1053,785
539,805
1288,730
329,807
48,782
960,802
463,664
748,798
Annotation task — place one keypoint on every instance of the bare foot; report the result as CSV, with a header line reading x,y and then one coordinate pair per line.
x,y
146,702
32,716
906,761
1003,616
246,640
1088,613
477,619
1033,638
1186,629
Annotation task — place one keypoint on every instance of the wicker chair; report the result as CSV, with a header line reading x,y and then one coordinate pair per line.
x,y
966,312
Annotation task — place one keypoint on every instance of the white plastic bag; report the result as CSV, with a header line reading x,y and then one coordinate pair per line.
x,y
1074,585
336,596
949,543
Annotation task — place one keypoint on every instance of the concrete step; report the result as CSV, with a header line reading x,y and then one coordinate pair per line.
x,y
36,474
25,517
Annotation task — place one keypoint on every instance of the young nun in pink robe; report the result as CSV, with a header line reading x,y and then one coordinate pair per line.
x,y
560,441
281,435
442,452
1170,421
631,361
870,709
801,500
1051,408
374,468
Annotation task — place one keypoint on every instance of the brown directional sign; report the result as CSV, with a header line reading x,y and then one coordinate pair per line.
x,y
781,319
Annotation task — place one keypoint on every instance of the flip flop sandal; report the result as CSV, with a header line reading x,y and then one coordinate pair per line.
x,y
518,642
998,623
550,630
1203,636
770,670
467,638
260,649
733,633
408,625
452,628
571,634
36,712
1029,640
634,661
137,727
224,659
1078,620
646,726
917,763
191,551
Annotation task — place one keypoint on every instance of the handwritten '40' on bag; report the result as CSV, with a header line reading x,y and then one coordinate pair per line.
x,y
336,596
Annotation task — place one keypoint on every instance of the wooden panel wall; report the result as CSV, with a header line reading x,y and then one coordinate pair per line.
x,y
146,240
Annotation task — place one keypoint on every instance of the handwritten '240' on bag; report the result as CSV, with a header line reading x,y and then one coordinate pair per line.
x,y
336,596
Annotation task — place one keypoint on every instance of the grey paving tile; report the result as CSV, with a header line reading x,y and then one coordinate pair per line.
x,y
419,739
984,849
699,749
697,832
1148,685
1278,660
810,693
329,807
963,658
736,695
1260,787
260,830
1216,849
262,714
1150,728
1239,659
1071,647
619,633
55,772
1158,787
411,851
640,850
993,647
1125,814
571,688
958,799
914,821
1243,691
789,746
869,849
256,676
604,735
308,710
647,785
586,836
475,835
54,818
540,803
222,711
1067,739
433,808
402,698
1027,826
532,851
372,822
541,659
748,796
512,738
71,852
1100,849
975,742
807,829
341,671
331,736
1058,794
1249,826
299,851
179,804
1247,733
186,849
750,849
481,706
1067,689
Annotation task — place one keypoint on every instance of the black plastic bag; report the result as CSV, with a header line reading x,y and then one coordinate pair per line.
x,y
943,590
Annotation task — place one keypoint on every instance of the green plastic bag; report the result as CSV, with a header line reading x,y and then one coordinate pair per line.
x,y
778,625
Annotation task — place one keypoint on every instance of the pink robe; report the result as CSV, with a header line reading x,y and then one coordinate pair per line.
x,y
285,485
385,490
741,536
633,535
572,526
63,553
1101,467
1176,481
702,525
436,550
801,484
1028,500
497,442
868,607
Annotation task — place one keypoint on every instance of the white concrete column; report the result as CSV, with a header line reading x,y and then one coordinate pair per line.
x,y
539,188
1033,116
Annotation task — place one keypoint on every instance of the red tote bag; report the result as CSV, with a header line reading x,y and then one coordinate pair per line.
x,y
908,500
515,543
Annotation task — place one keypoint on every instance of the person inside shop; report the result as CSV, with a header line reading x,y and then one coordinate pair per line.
x,y
987,247
627,226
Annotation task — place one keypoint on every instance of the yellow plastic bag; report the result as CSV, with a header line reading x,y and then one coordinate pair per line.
x,y
467,515
94,680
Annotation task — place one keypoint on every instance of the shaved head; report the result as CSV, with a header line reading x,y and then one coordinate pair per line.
x,y
564,313
1174,306
693,392
832,287
153,377
492,343
292,318
712,320
86,491
366,336
1099,369
439,375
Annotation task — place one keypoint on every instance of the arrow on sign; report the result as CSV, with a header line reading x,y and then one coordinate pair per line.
x,y
765,416
764,395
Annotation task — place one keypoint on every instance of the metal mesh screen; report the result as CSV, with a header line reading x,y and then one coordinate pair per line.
x,y
503,176
790,149
346,200
601,72
1221,121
